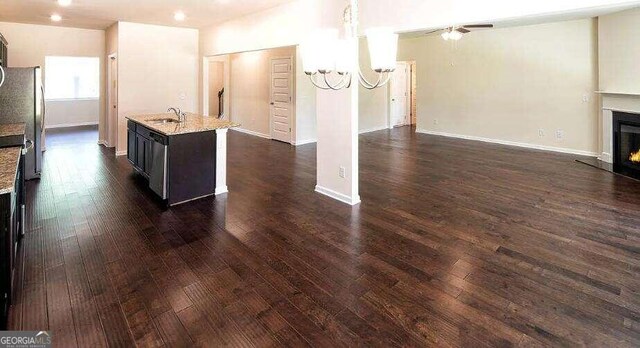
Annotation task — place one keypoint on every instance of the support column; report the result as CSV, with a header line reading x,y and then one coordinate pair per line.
x,y
337,147
221,161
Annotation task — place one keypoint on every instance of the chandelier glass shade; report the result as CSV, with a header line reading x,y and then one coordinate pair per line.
x,y
330,61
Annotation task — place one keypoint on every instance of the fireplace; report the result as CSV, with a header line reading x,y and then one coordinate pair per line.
x,y
626,144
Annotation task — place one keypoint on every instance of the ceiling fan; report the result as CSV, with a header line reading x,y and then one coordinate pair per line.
x,y
455,32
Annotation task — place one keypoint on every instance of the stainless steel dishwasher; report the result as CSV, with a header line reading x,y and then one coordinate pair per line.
x,y
158,173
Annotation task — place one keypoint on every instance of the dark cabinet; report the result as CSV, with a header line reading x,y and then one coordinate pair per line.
x,y
139,148
11,228
140,160
131,146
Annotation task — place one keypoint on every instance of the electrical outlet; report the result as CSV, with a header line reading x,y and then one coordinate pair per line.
x,y
183,96
585,98
541,132
342,172
435,122
559,134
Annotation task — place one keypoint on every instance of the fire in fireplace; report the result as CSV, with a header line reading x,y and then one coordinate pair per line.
x,y
635,157
626,146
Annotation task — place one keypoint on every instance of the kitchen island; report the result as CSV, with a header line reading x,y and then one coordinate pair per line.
x,y
182,160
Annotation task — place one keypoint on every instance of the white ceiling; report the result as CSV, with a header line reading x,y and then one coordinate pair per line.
x,y
100,14
540,19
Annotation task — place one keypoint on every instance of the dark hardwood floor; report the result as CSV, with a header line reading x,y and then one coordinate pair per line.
x,y
456,243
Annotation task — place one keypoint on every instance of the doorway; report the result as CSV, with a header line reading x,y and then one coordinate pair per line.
x,y
400,95
216,89
281,101
112,100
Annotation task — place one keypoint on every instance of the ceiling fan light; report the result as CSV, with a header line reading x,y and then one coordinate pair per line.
x,y
383,48
455,35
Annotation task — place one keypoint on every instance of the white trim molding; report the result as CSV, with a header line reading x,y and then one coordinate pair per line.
x,y
304,142
511,143
606,157
121,153
69,125
221,161
250,132
338,196
375,129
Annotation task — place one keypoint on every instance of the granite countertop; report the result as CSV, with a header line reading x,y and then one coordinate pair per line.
x,y
12,129
9,159
193,123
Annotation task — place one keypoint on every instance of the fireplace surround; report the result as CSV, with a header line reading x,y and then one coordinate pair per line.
x,y
626,144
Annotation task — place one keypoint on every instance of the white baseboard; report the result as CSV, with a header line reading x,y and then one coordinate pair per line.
x,y
375,129
68,125
511,143
246,131
121,153
221,190
304,142
606,157
103,142
338,196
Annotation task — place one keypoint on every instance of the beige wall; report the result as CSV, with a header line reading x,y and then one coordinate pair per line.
x,y
619,52
157,69
507,84
67,113
249,92
29,44
305,99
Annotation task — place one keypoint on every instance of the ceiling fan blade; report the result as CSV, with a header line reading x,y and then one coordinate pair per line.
x,y
433,31
478,26
463,30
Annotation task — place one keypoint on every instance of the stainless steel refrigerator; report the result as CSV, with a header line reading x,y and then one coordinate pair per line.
x,y
22,100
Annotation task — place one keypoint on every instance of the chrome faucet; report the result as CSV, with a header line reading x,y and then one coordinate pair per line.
x,y
181,115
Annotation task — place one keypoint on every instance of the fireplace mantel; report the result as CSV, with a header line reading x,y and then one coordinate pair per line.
x,y
619,93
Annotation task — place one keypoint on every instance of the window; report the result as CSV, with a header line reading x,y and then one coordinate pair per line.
x,y
72,78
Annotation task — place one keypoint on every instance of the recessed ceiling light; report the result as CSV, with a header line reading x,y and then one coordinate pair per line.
x,y
64,2
179,16
56,17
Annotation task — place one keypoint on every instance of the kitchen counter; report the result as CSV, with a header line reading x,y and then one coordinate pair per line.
x,y
9,160
193,123
12,129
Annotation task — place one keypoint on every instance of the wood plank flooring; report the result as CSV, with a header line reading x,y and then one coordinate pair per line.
x,y
456,243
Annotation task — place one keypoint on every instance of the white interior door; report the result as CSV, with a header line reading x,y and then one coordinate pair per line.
x,y
113,102
400,103
281,105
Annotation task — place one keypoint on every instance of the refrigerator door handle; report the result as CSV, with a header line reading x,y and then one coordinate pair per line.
x,y
44,109
1,78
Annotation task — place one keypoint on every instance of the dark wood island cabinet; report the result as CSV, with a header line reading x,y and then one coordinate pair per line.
x,y
182,161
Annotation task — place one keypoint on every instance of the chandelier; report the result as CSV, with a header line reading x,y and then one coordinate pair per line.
x,y
330,61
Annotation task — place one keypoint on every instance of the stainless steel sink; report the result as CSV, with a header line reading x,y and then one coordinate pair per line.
x,y
164,121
